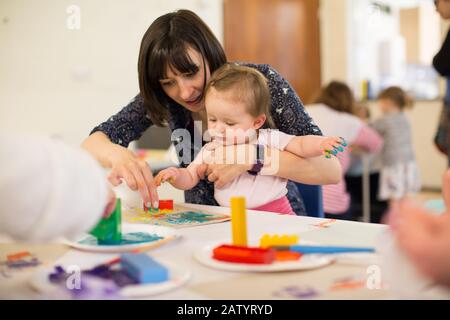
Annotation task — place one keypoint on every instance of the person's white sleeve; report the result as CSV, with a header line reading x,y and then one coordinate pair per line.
x,y
48,189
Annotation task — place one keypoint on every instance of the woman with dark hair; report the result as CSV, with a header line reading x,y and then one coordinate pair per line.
x,y
178,53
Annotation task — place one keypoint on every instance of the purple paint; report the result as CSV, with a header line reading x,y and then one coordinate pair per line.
x,y
103,271
297,292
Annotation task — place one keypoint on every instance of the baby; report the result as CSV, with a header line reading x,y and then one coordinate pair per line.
x,y
237,103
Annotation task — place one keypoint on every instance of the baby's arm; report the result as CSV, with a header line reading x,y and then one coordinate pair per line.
x,y
180,178
313,146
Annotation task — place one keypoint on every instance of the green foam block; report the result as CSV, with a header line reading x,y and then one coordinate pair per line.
x,y
109,230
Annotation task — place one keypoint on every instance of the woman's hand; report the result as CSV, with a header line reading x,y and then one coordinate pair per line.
x,y
169,174
221,174
136,173
124,165
425,238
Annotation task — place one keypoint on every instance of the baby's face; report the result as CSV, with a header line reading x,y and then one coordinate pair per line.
x,y
229,121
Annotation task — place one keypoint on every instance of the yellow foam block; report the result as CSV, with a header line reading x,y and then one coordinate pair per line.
x,y
238,221
276,240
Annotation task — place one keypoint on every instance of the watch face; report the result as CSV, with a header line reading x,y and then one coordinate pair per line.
x,y
256,167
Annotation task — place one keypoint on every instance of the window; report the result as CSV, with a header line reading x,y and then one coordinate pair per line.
x,y
392,42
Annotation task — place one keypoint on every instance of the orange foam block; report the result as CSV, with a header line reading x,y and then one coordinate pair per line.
x,y
287,255
18,256
241,254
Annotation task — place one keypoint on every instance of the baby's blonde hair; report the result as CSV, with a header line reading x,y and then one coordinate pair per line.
x,y
246,85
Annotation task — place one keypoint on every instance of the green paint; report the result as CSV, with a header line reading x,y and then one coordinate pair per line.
x,y
189,217
127,238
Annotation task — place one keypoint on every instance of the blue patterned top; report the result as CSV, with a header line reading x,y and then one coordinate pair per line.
x,y
287,111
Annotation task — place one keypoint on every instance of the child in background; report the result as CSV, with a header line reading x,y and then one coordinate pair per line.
x,y
333,113
399,175
237,103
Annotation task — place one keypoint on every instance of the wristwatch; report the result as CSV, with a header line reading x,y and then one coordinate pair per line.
x,y
259,164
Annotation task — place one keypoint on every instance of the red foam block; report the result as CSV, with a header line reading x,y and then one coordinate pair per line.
x,y
242,254
165,204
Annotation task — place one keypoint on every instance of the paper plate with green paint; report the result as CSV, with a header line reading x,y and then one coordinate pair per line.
x,y
180,217
134,237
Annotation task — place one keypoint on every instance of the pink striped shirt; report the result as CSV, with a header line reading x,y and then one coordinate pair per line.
x,y
336,199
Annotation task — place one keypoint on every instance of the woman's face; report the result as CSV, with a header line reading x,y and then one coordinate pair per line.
x,y
187,89
443,8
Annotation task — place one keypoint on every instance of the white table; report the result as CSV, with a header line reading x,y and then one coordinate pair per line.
x,y
207,283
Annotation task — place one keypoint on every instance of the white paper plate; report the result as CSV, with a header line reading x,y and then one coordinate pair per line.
x,y
178,277
167,233
306,262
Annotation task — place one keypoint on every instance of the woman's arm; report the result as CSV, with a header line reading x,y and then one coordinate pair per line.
x,y
108,142
317,170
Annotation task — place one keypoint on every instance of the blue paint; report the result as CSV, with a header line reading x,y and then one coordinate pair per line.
x,y
127,238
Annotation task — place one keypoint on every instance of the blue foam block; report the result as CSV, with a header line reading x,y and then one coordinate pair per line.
x,y
142,268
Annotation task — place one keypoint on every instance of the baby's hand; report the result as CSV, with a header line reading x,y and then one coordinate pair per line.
x,y
331,146
169,174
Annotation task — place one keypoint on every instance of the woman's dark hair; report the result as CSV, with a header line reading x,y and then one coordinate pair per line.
x,y
166,43
338,96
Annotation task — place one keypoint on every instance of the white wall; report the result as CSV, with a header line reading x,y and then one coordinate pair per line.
x,y
333,40
63,82
336,63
